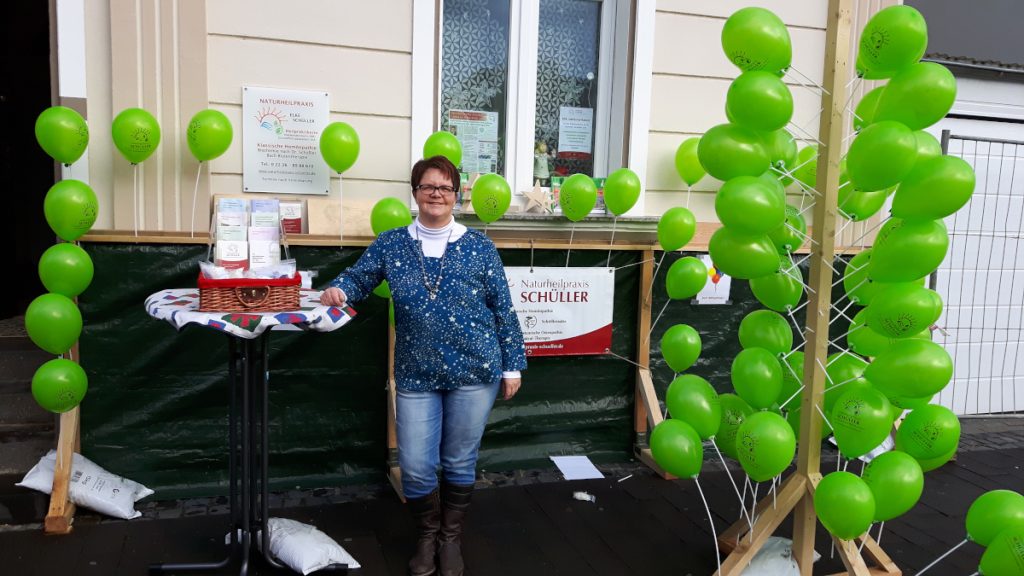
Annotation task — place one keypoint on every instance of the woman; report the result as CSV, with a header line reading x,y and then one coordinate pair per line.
x,y
457,342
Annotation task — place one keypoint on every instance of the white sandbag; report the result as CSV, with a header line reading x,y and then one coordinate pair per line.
x,y
90,487
775,558
303,548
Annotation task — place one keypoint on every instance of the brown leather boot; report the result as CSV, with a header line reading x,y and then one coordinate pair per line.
x,y
454,504
426,511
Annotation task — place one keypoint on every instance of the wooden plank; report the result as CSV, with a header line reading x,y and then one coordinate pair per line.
x,y
643,345
62,511
830,131
731,537
644,455
793,488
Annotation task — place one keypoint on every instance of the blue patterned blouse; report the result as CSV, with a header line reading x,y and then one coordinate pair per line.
x,y
468,335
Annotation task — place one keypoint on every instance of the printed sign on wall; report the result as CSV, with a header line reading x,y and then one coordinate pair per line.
x,y
281,141
563,311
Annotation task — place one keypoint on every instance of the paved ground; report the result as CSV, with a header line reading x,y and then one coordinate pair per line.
x,y
521,522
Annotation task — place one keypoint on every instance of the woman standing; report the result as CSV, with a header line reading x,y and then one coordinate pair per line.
x,y
457,343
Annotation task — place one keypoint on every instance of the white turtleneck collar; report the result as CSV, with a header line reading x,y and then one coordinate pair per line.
x,y
435,239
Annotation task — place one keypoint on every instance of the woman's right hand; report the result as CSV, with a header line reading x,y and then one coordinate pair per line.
x,y
333,296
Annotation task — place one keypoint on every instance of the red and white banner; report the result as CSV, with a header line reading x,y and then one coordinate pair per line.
x,y
563,311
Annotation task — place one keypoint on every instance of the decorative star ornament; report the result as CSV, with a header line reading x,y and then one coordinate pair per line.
x,y
539,198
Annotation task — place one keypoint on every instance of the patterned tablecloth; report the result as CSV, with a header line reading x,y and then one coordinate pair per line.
x,y
179,306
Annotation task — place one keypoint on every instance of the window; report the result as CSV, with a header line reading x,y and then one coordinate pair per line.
x,y
529,84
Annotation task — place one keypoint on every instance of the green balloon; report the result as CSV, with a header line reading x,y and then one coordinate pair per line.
x,y
766,329
782,153
845,504
780,291
903,310
209,134
760,100
686,277
691,399
491,197
864,115
911,367
918,96
865,341
62,133
1005,555
934,189
791,235
339,146
443,143
993,512
742,256
383,290
765,444
136,134
749,205
677,448
909,403
730,150
894,38
881,155
896,482
927,147
858,286
686,161
676,228
930,464
70,208
59,385
806,171
578,196
928,432
734,411
861,419
756,39
680,346
621,191
389,213
866,72
53,322
845,372
857,206
907,250
757,377
65,269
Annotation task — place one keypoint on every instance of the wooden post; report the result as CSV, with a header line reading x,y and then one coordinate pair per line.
x,y
62,511
797,494
646,410
394,470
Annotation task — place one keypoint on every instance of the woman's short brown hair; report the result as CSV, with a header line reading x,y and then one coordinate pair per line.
x,y
439,163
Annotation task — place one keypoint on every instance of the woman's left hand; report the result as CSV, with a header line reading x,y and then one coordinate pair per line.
x,y
509,387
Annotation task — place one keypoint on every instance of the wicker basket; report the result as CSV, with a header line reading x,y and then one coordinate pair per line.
x,y
249,294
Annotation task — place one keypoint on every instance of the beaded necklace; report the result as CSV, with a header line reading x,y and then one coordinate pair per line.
x,y
432,288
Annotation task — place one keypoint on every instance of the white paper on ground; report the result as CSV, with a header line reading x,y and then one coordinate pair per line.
x,y
576,467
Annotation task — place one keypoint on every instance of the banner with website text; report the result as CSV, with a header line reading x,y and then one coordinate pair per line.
x,y
563,311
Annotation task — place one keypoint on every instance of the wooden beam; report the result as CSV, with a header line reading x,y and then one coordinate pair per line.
x,y
772,512
830,133
62,511
641,405
650,397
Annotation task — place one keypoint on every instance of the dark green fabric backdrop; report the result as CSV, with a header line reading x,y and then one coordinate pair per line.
x,y
156,407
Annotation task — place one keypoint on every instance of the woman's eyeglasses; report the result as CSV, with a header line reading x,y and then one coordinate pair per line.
x,y
430,189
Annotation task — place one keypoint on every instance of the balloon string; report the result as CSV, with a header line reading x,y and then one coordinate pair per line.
x,y
569,250
195,192
732,481
649,332
940,558
611,242
341,214
653,276
805,77
880,528
711,522
864,540
753,508
135,197
688,189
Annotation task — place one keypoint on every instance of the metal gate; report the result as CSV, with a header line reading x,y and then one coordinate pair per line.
x,y
982,281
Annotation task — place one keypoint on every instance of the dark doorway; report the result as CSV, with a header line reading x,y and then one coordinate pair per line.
x,y
26,170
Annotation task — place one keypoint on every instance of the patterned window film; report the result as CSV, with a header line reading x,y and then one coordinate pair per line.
x,y
568,51
474,65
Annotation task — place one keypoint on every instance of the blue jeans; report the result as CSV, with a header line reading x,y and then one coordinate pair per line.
x,y
441,428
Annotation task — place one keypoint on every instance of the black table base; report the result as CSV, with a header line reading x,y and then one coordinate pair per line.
x,y
248,491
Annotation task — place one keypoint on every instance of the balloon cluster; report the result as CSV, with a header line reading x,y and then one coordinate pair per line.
x,y
996,521
52,320
756,158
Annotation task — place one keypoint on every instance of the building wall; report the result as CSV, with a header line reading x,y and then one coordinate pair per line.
x,y
153,55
